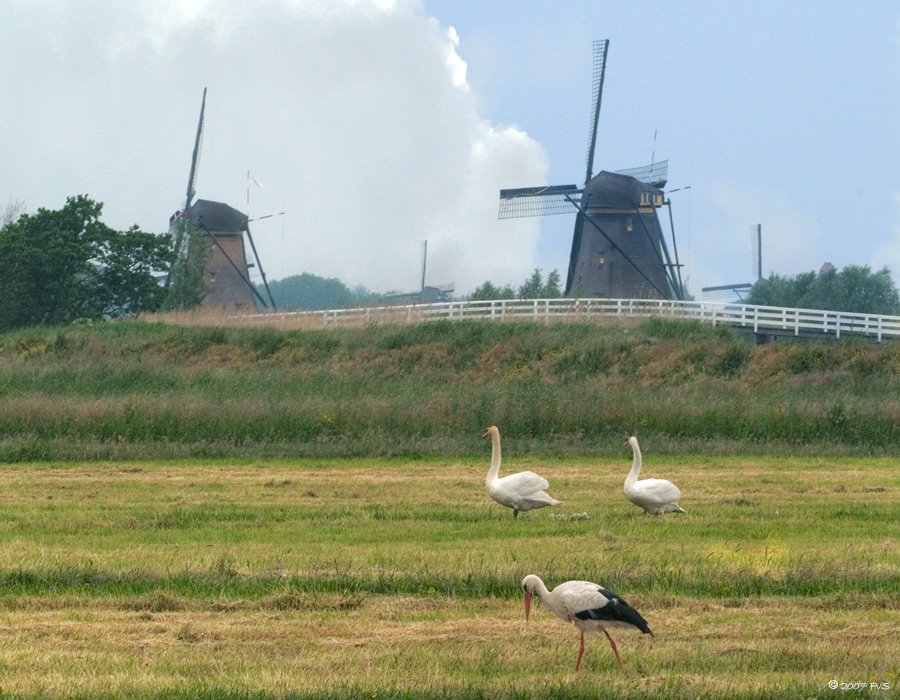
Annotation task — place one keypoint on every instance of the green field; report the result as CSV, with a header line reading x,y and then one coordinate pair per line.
x,y
394,578
137,390
257,514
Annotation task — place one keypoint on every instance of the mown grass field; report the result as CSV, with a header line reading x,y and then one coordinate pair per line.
x,y
349,578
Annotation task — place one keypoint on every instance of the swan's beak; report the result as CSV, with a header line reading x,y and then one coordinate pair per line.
x,y
527,605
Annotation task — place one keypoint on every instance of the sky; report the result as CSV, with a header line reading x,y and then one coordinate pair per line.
x,y
375,125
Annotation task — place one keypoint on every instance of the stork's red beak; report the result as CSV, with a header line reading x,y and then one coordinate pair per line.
x,y
527,605
486,433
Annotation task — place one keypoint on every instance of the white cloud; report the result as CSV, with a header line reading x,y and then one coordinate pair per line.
x,y
355,113
458,67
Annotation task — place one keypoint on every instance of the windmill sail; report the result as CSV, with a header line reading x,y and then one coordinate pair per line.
x,y
655,174
195,158
189,195
600,50
538,201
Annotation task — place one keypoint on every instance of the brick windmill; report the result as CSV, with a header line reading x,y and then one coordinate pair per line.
x,y
227,272
618,247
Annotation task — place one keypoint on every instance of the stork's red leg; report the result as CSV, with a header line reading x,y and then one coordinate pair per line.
x,y
580,652
615,651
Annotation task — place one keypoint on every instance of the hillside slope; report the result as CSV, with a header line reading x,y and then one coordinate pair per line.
x,y
133,389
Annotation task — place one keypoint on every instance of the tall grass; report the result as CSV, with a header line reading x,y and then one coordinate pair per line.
x,y
136,389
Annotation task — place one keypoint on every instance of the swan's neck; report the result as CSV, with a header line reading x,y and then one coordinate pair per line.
x,y
635,465
495,457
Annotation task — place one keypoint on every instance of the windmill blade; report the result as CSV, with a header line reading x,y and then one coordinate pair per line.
x,y
189,195
680,287
659,247
538,201
192,178
600,50
655,174
261,271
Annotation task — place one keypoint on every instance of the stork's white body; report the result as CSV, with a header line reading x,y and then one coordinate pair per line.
x,y
588,606
522,491
655,496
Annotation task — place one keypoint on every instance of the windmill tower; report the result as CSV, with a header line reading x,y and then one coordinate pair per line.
x,y
227,272
618,247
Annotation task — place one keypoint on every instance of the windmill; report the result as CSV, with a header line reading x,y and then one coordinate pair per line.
x,y
227,272
618,247
738,292
426,294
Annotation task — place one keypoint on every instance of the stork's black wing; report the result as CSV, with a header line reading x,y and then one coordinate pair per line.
x,y
616,610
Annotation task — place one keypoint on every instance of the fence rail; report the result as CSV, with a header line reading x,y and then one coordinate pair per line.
x,y
756,319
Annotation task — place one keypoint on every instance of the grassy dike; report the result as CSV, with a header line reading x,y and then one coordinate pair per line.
x,y
146,390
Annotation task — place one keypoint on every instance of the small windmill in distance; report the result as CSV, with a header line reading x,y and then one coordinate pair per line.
x,y
618,247
738,292
426,294
226,273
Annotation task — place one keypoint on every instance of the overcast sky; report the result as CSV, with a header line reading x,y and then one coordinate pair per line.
x,y
377,124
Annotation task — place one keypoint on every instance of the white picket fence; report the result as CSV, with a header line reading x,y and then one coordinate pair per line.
x,y
757,319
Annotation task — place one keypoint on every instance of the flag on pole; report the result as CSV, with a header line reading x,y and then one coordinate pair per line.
x,y
251,179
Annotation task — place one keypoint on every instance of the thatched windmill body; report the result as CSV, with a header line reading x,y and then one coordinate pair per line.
x,y
618,246
227,272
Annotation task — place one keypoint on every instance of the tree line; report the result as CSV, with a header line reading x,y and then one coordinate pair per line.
x,y
854,289
66,265
308,291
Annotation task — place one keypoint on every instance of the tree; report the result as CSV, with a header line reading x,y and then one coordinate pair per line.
x,y
854,289
308,291
125,264
780,291
61,266
187,276
12,212
551,288
533,286
488,291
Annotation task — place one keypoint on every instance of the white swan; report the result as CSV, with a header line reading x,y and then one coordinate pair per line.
x,y
655,496
522,491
